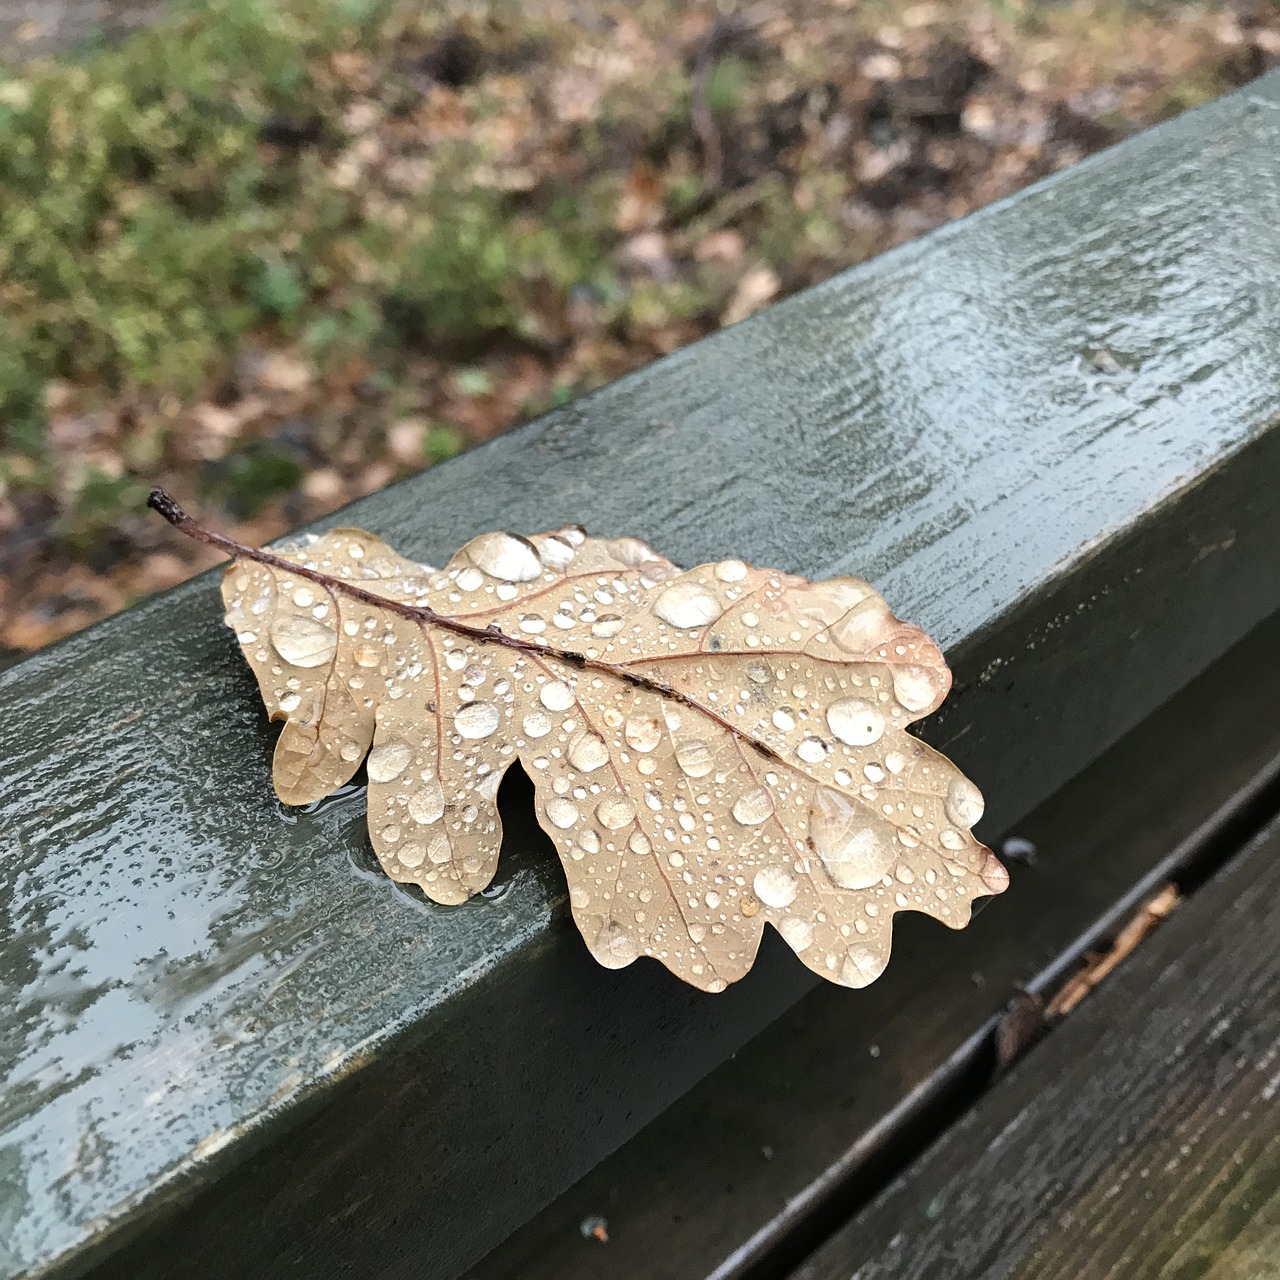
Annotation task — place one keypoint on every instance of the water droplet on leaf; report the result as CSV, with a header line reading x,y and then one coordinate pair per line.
x,y
855,721
302,641
505,556
687,605
477,720
856,850
388,760
775,886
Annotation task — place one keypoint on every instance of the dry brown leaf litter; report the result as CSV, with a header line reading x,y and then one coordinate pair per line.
x,y
730,159
1030,1015
711,750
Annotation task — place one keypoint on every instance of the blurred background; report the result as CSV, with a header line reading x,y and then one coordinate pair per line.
x,y
273,256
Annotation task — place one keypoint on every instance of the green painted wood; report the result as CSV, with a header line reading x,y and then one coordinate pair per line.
x,y
218,1015
769,1149
1139,1140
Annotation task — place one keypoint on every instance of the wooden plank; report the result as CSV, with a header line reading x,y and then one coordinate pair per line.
x,y
767,1152
202,986
1141,1139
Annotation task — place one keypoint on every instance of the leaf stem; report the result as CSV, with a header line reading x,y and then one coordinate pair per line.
x,y
159,500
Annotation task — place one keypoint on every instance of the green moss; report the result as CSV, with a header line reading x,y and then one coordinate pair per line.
x,y
442,443
139,213
482,267
727,84
100,499
247,480
147,230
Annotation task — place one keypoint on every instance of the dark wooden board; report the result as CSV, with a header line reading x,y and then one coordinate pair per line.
x,y
1140,1140
756,1160
224,1029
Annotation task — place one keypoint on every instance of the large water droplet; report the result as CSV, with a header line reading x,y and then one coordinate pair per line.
x,y
863,628
609,625
775,886
439,850
537,724
642,733
797,932
964,802
477,720
855,853
855,721
812,750
505,556
914,687
632,552
587,752
695,758
613,947
731,571
387,761
615,812
753,807
303,641
556,553
556,696
367,654
470,579
562,812
427,803
861,966
687,605
412,853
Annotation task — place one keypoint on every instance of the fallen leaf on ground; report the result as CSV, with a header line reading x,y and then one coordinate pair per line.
x,y
711,750
1153,913
758,286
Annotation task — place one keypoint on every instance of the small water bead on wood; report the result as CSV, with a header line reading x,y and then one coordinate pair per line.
x,y
711,750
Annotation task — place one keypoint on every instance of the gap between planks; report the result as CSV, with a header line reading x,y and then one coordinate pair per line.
x,y
925,1116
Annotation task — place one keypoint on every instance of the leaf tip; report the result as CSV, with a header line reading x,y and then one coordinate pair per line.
x,y
994,875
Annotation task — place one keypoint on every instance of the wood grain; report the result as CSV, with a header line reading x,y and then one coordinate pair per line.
x,y
224,1026
763,1156
1139,1141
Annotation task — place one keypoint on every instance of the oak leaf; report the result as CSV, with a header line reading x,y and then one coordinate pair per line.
x,y
711,750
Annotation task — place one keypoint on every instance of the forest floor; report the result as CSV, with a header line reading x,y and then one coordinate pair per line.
x,y
274,254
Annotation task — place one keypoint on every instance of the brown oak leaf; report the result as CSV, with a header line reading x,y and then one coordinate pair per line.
x,y
711,749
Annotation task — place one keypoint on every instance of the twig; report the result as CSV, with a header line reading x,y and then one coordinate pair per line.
x,y
159,500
